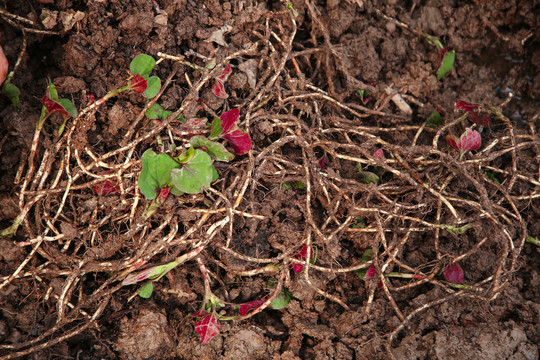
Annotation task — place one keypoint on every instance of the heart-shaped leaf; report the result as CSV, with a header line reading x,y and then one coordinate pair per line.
x,y
195,175
156,112
454,273
54,106
447,63
208,327
476,115
142,65
153,85
138,84
282,299
470,140
434,120
229,120
225,74
146,290
240,141
156,173
466,106
214,149
246,307
69,107
218,89
453,141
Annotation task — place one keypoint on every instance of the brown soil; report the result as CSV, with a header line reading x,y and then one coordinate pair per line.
x,y
295,80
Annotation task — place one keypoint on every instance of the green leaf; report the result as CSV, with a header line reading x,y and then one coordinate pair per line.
x,y
52,91
493,177
146,290
196,175
367,255
433,40
176,192
15,101
68,106
143,65
155,173
156,112
10,90
447,64
152,87
455,230
358,223
369,177
286,186
185,156
300,185
282,299
434,120
216,129
214,149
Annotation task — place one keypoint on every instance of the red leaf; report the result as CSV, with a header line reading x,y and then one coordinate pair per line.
x,y
479,118
443,52
138,84
475,113
302,254
219,90
244,308
199,314
240,141
229,120
163,193
106,187
208,327
225,74
470,140
370,273
379,154
298,268
324,162
465,106
91,98
452,141
53,106
454,273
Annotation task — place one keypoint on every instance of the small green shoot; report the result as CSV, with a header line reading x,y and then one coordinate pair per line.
x,y
455,230
157,112
435,119
533,240
12,92
447,62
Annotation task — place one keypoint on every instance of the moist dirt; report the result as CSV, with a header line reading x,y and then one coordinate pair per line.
x,y
297,73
